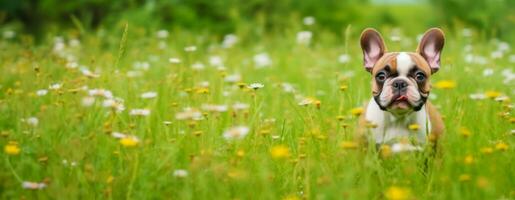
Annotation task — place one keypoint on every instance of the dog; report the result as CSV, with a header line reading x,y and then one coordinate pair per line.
x,y
399,109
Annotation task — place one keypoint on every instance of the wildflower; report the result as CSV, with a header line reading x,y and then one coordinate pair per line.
x,y
280,152
240,153
469,159
189,113
308,21
55,86
86,72
256,86
174,60
190,48
304,37
216,61
262,60
465,132
214,108
149,95
139,112
488,72
349,145
414,127
229,41
32,121
397,193
116,105
240,106
445,84
42,92
197,66
477,96
238,132
288,88
12,148
486,150
502,98
101,92
118,135
88,101
404,147
344,58
232,78
162,34
492,94
129,141
32,185
8,34
464,177
167,123
385,151
501,146
357,111
308,101
180,173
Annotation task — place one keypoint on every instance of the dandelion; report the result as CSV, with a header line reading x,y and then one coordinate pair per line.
x,y
357,111
139,112
344,58
12,148
280,152
262,60
42,92
32,185
149,95
238,132
486,150
492,94
256,86
129,141
189,114
468,160
385,151
501,146
180,173
397,193
445,84
304,37
414,127
174,60
349,145
465,132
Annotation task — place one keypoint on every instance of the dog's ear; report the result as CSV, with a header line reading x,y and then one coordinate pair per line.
x,y
373,47
430,47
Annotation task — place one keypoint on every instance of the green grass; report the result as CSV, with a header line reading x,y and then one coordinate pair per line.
x,y
317,166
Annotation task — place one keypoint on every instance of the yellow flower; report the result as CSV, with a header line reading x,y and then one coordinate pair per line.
x,y
464,177
414,127
501,146
357,111
240,153
349,145
468,160
445,84
492,94
465,132
397,193
291,197
280,151
385,151
129,141
486,150
12,148
343,88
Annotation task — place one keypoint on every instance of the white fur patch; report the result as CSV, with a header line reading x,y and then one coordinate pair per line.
x,y
404,64
390,128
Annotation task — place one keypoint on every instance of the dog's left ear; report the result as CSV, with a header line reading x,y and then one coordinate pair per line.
x,y
430,47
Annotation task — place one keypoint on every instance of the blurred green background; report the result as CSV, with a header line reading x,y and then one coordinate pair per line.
x,y
490,18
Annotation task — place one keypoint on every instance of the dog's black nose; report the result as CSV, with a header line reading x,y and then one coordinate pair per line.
x,y
400,84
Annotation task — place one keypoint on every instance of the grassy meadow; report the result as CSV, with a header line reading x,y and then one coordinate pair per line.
x,y
135,113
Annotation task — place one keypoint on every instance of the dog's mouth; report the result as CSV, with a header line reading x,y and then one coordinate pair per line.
x,y
400,102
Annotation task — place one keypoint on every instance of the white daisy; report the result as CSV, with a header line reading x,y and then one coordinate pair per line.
x,y
88,101
139,112
41,92
404,147
162,34
256,86
232,78
174,60
238,132
214,108
229,41
55,86
344,58
304,37
308,21
189,114
32,121
262,60
180,173
190,48
32,185
149,95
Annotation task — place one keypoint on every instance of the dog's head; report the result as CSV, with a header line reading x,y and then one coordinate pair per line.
x,y
400,80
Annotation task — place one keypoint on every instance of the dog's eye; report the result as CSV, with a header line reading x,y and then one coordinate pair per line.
x,y
419,76
381,77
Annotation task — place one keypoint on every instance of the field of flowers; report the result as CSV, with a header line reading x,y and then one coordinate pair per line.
x,y
155,114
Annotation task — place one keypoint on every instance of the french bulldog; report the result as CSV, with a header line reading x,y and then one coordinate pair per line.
x,y
399,108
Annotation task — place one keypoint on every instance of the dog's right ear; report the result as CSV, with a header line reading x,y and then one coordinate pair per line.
x,y
373,47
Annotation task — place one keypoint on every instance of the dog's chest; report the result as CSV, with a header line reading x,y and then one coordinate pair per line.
x,y
389,128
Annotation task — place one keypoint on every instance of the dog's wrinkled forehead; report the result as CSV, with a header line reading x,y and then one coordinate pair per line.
x,y
401,63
